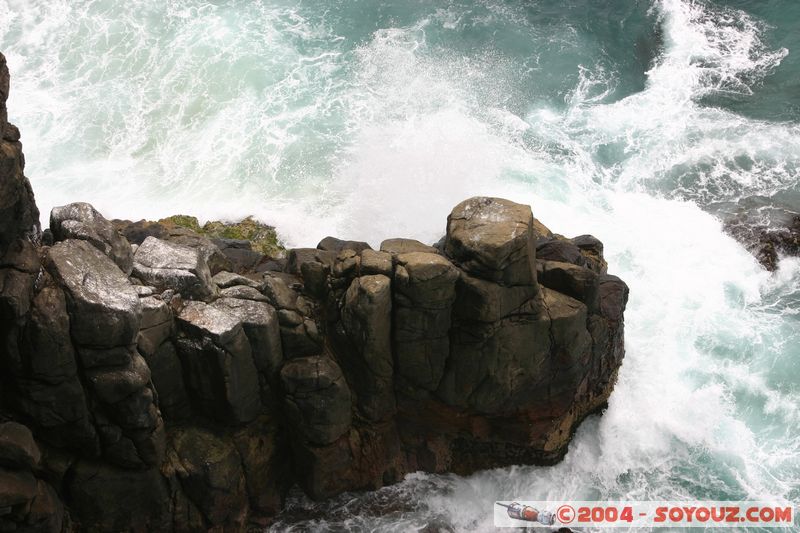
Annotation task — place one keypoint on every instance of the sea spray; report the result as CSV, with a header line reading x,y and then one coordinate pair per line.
x,y
371,121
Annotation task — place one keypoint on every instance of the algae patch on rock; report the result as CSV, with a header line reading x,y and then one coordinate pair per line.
x,y
263,238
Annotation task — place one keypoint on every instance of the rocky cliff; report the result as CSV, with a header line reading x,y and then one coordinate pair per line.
x,y
156,378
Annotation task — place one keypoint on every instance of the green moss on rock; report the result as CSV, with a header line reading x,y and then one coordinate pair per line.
x,y
262,237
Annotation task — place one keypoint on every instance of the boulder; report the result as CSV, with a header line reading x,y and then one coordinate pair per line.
x,y
367,321
573,280
332,244
105,357
103,306
157,325
315,276
260,323
278,291
424,290
167,265
82,221
46,511
373,262
17,487
218,363
243,292
228,279
112,384
317,399
298,256
493,239
592,249
21,255
613,297
562,251
216,259
17,447
16,291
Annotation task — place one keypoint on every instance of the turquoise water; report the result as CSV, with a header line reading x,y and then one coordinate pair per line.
x,y
641,122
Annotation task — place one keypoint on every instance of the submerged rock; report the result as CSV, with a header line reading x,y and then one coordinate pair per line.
x,y
767,241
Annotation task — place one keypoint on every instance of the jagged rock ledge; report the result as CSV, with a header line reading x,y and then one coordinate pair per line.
x,y
160,377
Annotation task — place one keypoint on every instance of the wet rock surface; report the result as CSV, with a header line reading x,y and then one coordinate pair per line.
x,y
167,376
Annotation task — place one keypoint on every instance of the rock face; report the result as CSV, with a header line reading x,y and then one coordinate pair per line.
x,y
82,221
138,392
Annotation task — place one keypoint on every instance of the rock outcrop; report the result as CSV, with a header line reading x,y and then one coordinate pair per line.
x,y
160,377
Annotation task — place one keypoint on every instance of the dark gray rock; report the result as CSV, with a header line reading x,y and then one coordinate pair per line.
x,y
315,276
213,256
260,323
493,239
405,246
157,325
96,491
573,280
82,221
374,262
46,340
367,321
218,363
167,376
613,297
17,487
105,357
495,367
298,256
243,292
17,447
16,291
562,251
240,254
485,301
333,244
424,290
167,265
113,384
104,308
210,472
317,398
229,279
278,291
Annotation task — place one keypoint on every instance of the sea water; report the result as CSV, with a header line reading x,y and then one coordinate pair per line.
x,y
641,122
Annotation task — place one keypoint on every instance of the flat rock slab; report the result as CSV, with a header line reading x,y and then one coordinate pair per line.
x,y
405,246
168,265
104,307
